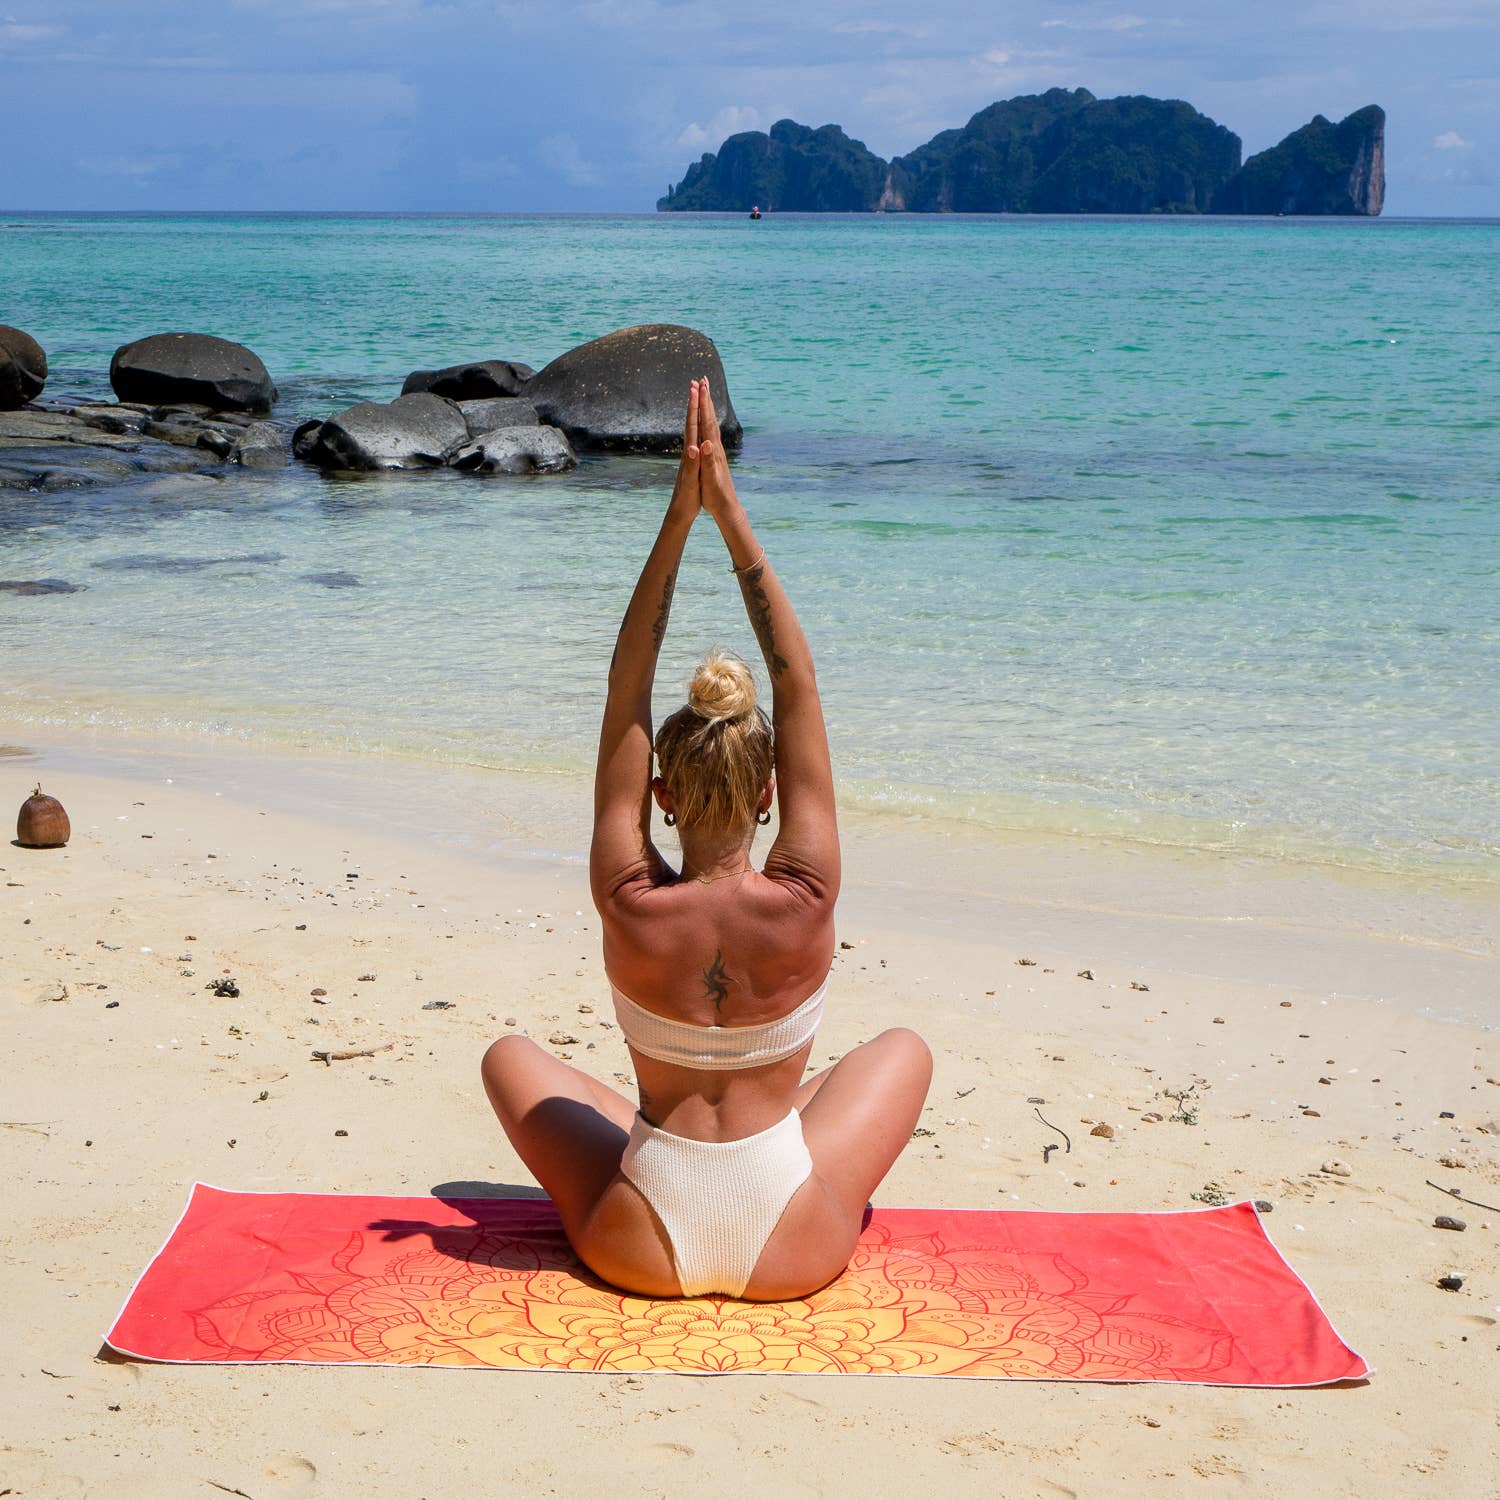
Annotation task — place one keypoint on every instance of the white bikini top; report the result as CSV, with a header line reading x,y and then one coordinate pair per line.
x,y
717,1048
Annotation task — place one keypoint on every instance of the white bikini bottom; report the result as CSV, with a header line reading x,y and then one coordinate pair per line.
x,y
719,1201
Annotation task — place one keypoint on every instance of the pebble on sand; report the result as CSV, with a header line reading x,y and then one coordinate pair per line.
x,y
1447,1221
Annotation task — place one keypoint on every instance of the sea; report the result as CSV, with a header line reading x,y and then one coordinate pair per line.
x,y
1178,531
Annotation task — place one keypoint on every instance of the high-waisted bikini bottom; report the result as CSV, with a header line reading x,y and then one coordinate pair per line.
x,y
719,1201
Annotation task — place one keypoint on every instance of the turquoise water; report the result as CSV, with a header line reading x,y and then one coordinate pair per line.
x,y
1182,530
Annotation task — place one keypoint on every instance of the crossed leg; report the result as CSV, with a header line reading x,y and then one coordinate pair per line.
x,y
571,1131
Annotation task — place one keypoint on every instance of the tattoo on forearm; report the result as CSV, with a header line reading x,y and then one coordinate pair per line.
x,y
716,982
659,625
758,607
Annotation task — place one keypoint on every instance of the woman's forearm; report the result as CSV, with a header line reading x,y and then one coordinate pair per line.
x,y
787,654
632,668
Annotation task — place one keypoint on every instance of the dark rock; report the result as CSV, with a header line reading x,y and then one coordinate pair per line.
x,y
260,446
23,368
498,411
1447,1221
484,378
1264,1206
1322,168
517,450
1451,1283
61,466
332,581
418,431
118,420
191,367
628,390
30,586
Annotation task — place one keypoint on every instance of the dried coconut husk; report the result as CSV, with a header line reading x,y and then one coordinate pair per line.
x,y
43,823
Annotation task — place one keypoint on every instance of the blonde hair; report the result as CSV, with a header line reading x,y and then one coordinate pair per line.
x,y
717,752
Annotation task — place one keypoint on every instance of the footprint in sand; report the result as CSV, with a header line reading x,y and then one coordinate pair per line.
x,y
26,1472
666,1450
289,1474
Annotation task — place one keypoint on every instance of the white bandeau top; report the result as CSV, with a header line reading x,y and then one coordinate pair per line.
x,y
718,1048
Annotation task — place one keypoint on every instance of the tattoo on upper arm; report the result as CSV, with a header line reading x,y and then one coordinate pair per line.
x,y
758,607
716,982
659,625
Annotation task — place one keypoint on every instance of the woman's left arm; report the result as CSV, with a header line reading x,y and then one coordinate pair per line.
x,y
622,851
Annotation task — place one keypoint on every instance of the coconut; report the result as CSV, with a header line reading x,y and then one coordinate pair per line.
x,y
43,824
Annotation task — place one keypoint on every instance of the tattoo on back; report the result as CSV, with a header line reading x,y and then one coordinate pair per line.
x,y
758,607
659,625
716,982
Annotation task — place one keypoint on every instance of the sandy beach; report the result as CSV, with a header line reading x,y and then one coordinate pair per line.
x,y
1308,1018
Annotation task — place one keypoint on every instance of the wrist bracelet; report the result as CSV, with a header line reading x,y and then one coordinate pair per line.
x,y
751,566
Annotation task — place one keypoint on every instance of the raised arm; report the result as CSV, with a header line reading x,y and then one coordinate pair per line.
x,y
622,851
806,851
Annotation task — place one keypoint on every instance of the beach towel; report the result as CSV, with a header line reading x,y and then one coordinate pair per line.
x,y
1198,1297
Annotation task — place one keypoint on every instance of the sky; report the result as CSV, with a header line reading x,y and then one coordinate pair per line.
x,y
596,105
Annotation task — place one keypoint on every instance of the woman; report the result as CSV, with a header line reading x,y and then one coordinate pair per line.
x,y
734,1177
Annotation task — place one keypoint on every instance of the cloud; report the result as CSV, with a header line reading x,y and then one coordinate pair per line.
x,y
1104,23
134,168
12,30
730,120
561,153
1451,140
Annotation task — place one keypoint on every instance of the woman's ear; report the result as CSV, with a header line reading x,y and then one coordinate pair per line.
x,y
767,796
664,798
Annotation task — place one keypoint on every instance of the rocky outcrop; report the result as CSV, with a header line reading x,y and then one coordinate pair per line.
x,y
1322,168
259,446
1063,151
486,377
58,445
419,431
192,368
626,392
517,450
23,368
485,416
793,169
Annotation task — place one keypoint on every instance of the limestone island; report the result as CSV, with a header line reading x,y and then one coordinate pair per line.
x,y
1062,152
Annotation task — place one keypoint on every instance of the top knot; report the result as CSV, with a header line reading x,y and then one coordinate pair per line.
x,y
722,688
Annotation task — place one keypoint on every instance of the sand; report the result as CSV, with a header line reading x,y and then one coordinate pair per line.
x,y
1290,1004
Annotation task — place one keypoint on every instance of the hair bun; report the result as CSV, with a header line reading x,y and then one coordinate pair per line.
x,y
722,688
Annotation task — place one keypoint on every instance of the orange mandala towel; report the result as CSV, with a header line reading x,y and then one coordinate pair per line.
x,y
1200,1297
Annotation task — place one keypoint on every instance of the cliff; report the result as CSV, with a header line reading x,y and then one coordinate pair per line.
x,y
1064,151
1322,168
794,168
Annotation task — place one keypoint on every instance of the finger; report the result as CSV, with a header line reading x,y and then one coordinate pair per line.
x,y
708,421
691,435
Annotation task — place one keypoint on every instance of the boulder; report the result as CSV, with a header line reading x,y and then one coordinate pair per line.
x,y
485,377
500,411
191,367
260,447
627,391
23,368
418,431
517,450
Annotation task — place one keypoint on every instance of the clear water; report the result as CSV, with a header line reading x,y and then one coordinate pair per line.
x,y
1188,531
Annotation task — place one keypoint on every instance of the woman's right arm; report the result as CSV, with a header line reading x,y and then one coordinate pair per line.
x,y
806,851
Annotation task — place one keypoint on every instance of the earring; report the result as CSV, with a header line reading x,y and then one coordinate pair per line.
x,y
763,817
670,819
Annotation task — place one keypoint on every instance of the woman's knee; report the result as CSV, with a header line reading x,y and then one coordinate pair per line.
x,y
909,1047
504,1055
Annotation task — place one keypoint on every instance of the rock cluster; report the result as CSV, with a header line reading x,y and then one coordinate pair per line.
x,y
193,402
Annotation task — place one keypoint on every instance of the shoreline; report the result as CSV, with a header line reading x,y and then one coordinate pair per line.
x,y
433,913
1430,945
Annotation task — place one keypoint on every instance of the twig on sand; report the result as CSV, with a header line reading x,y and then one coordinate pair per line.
x,y
325,1057
227,1490
1067,1144
1454,1193
33,1127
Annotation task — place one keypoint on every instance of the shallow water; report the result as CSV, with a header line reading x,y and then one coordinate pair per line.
x,y
1183,530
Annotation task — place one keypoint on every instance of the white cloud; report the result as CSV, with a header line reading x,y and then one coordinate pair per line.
x,y
560,153
137,167
1451,140
12,30
995,58
729,121
1104,23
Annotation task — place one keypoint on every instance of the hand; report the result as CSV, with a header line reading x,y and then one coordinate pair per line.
x,y
716,486
685,492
